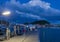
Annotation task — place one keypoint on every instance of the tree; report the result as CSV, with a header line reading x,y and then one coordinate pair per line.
x,y
26,23
4,22
41,22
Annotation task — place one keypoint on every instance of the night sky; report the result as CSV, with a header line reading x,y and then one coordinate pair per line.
x,y
31,10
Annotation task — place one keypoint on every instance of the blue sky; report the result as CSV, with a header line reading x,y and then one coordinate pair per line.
x,y
31,10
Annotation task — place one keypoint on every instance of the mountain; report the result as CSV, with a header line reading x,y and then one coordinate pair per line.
x,y
41,22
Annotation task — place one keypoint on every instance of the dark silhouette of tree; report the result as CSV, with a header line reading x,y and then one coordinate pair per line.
x,y
26,23
4,22
41,22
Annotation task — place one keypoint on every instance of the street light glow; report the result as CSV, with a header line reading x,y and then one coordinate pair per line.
x,y
6,13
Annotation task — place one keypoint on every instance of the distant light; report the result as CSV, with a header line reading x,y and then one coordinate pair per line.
x,y
6,13
27,26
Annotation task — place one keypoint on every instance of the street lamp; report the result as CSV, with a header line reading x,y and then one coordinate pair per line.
x,y
6,13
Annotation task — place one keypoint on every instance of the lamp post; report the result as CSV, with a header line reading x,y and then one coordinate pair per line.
x,y
6,13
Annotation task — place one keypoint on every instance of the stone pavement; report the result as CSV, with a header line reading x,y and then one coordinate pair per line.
x,y
24,38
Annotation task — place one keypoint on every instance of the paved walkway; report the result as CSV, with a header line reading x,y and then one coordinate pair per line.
x,y
24,38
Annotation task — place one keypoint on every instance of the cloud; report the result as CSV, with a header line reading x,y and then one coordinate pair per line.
x,y
28,15
33,3
36,9
41,8
39,3
12,2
